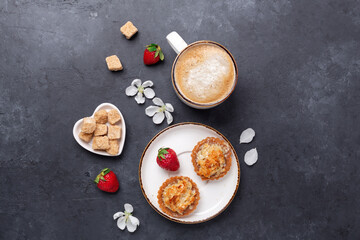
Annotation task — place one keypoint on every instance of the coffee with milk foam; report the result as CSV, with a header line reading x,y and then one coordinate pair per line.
x,y
205,73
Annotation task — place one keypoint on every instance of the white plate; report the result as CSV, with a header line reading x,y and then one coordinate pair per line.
x,y
88,146
215,195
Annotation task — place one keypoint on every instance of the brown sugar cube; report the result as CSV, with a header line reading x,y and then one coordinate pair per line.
x,y
113,63
114,132
88,125
128,29
101,129
114,147
101,143
85,136
113,116
101,116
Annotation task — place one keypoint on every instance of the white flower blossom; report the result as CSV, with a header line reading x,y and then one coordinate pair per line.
x,y
160,111
140,89
125,219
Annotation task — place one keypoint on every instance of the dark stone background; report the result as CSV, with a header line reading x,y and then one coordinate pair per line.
x,y
298,87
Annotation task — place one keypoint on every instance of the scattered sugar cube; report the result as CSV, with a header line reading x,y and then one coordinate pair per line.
x,y
128,29
113,63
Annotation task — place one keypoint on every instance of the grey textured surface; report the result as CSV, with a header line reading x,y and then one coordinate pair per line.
x,y
298,87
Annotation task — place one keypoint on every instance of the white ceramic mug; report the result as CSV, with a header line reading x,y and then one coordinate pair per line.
x,y
179,46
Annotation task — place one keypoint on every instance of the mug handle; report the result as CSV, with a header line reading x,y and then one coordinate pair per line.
x,y
176,42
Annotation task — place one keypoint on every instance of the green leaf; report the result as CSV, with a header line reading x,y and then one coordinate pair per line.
x,y
162,152
101,175
162,56
156,54
106,171
96,179
151,49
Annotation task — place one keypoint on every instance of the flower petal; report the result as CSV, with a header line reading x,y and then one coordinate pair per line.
x,y
149,93
134,220
169,117
136,83
130,227
169,107
118,214
147,83
139,98
128,207
158,117
247,135
158,102
151,110
251,157
131,91
121,223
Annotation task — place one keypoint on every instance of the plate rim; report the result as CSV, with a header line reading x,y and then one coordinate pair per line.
x,y
171,218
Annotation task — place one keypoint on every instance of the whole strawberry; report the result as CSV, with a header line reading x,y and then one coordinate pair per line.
x,y
167,159
153,54
107,181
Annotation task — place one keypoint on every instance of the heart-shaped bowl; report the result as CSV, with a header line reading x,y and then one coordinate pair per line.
x,y
88,146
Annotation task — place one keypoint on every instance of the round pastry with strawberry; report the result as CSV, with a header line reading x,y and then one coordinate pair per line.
x,y
153,54
167,159
107,181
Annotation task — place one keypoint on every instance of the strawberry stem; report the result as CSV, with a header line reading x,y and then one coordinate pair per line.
x,y
162,152
157,49
101,175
